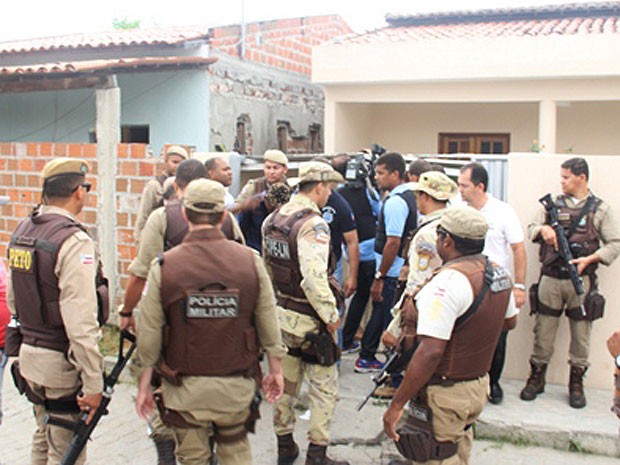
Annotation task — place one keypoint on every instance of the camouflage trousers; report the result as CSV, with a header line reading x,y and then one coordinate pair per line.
x,y
323,393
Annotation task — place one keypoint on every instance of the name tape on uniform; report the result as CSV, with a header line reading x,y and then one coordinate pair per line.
x,y
213,304
21,260
501,280
277,249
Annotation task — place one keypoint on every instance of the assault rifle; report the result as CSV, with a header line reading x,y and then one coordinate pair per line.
x,y
395,363
564,251
81,430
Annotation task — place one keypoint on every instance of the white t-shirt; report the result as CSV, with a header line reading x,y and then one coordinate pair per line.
x,y
446,297
229,200
504,230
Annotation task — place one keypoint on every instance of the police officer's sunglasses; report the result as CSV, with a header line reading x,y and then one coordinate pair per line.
x,y
85,185
442,231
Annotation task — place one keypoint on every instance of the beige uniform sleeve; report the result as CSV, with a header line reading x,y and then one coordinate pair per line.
x,y
610,234
151,243
246,192
423,259
313,250
152,319
76,269
533,229
149,201
237,233
266,319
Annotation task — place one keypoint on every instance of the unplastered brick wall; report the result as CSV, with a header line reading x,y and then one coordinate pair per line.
x,y
282,43
20,179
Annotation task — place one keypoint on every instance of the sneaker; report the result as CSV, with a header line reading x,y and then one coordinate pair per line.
x,y
352,349
363,365
384,392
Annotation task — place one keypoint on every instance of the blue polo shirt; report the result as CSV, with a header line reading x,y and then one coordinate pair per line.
x,y
395,212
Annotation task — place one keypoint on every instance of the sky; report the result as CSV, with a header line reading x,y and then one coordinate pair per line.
x,y
43,18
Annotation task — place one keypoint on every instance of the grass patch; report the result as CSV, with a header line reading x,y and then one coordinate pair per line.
x,y
108,345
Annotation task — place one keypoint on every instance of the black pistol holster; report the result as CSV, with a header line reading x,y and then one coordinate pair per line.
x,y
417,441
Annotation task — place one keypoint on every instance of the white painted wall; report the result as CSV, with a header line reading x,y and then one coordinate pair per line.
x,y
586,127
532,176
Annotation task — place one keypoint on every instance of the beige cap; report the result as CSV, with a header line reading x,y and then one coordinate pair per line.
x,y
276,156
465,222
64,165
436,184
204,196
177,150
316,171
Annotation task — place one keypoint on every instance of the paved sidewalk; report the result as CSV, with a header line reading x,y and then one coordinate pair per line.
x,y
121,437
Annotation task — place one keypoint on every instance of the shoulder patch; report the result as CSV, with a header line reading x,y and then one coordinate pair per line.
x,y
321,233
501,280
424,260
425,247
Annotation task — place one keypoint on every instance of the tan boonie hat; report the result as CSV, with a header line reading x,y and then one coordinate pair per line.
x,y
177,150
64,165
276,156
316,171
436,184
204,196
465,222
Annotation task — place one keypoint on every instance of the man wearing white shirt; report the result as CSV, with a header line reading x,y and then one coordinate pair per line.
x,y
505,233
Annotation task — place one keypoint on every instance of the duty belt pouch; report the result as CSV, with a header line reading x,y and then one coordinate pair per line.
x,y
171,418
595,305
170,375
417,441
22,385
13,339
533,295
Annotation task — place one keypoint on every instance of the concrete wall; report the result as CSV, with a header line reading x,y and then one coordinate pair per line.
x,y
267,96
586,127
531,177
174,104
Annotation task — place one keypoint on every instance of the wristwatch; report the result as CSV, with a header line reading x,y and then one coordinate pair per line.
x,y
378,275
618,361
519,286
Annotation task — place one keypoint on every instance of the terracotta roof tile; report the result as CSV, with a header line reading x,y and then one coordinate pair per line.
x,y
125,38
597,18
116,65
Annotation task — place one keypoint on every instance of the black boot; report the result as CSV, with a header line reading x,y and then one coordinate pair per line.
x,y
287,449
165,451
535,383
317,455
576,396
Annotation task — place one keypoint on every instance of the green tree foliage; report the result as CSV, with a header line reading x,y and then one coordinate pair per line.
x,y
125,23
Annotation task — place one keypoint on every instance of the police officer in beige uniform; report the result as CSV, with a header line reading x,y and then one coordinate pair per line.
x,y
460,314
588,221
213,301
153,193
296,250
250,203
164,229
53,292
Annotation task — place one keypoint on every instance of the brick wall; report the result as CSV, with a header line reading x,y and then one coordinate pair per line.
x,y
283,43
20,167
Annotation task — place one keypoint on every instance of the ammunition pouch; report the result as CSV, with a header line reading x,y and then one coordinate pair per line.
x,y
66,404
12,341
417,441
594,304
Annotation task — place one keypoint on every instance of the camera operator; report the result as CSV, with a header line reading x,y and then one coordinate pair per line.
x,y
366,204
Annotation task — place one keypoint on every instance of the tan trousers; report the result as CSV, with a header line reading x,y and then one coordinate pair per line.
x,y
49,443
560,294
323,392
193,443
454,408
